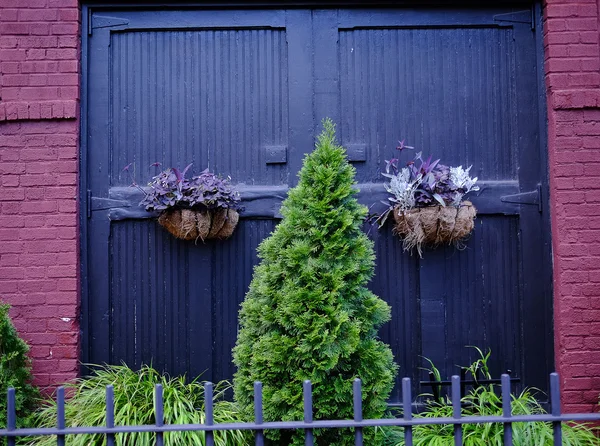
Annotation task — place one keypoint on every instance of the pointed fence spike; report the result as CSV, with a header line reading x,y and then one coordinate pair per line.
x,y
259,435
309,439
456,409
407,409
506,409
209,412
159,413
110,414
11,414
358,416
60,414
556,410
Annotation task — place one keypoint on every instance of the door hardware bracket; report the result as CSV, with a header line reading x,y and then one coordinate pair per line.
x,y
533,197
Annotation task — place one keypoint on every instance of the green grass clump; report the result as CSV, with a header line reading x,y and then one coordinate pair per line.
x,y
484,401
134,405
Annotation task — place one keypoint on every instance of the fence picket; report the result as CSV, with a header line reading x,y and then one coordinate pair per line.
x,y
11,414
456,410
357,401
60,414
407,409
309,439
555,403
159,412
209,413
259,436
110,415
507,410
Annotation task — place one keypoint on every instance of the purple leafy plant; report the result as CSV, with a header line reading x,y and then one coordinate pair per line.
x,y
171,189
422,183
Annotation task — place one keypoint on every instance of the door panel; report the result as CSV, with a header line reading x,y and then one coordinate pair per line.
x,y
243,92
216,98
173,89
461,86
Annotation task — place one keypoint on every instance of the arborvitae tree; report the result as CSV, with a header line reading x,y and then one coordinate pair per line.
x,y
14,371
308,313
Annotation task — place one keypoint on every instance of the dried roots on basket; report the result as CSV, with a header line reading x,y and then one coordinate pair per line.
x,y
191,224
434,225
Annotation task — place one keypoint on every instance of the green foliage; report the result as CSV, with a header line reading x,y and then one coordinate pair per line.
x,y
15,371
308,313
484,401
134,405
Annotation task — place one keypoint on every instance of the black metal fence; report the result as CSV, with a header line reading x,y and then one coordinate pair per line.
x,y
308,424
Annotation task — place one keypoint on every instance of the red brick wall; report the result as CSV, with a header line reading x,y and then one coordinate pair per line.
x,y
39,75
39,92
572,55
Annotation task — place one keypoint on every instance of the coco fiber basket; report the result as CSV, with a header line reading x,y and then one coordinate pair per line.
x,y
190,224
434,225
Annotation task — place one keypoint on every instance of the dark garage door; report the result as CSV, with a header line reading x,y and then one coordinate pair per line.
x,y
243,92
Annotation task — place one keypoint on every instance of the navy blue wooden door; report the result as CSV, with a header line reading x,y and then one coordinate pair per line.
x,y
242,92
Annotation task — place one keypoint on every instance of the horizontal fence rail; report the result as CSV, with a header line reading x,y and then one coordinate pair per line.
x,y
308,424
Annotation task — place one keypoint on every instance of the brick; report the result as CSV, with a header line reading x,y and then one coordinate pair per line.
x,y
9,15
40,29
12,54
69,14
12,195
572,10
64,28
38,42
39,207
38,154
14,272
68,365
8,42
68,66
37,351
63,79
582,50
37,15
10,67
67,352
61,53
583,24
62,298
67,42
36,54
14,28
63,3
38,80
64,284
39,93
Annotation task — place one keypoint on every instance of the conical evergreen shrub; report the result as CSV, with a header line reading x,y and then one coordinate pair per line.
x,y
308,313
15,371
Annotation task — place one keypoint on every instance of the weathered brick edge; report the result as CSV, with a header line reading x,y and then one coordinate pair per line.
x,y
572,63
39,101
39,68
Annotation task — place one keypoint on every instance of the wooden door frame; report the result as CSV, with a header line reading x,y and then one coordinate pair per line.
x,y
90,6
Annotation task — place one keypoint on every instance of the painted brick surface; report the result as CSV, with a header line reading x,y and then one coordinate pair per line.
x,y
39,95
39,262
572,57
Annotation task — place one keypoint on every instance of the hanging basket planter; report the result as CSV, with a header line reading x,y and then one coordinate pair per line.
x,y
202,207
190,224
434,225
427,202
